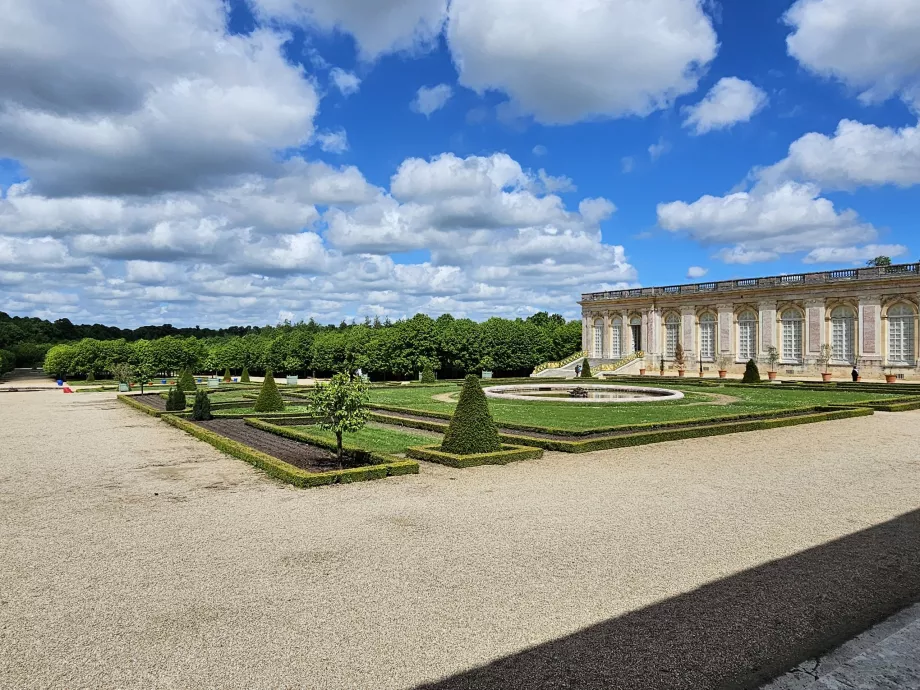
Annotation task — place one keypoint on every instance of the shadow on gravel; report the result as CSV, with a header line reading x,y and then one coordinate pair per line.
x,y
734,633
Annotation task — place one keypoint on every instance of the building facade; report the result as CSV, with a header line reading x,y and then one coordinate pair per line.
x,y
868,317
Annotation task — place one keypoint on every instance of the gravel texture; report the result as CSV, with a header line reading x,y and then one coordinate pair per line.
x,y
134,556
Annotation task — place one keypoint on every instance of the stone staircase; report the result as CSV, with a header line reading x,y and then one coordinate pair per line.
x,y
599,367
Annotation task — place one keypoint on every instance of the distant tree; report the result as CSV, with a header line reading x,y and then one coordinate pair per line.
x,y
341,406
879,261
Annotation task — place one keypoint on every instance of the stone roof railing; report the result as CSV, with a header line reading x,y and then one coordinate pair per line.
x,y
841,276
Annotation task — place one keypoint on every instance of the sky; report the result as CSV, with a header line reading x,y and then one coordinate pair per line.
x,y
197,162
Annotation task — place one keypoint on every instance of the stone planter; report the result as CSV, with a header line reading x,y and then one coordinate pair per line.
x,y
214,383
826,376
723,373
890,378
771,375
123,388
292,380
487,374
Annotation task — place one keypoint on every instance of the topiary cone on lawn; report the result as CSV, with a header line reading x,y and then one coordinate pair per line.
x,y
751,373
186,381
269,399
244,377
472,429
586,370
201,411
227,376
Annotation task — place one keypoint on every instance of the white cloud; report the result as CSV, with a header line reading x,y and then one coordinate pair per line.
x,y
379,26
582,58
856,155
158,96
657,150
870,46
695,272
627,164
428,99
766,222
333,142
347,83
854,255
729,102
539,150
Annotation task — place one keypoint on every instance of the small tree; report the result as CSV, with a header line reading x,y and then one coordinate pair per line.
x,y
773,357
879,261
201,410
824,359
269,399
680,359
723,362
186,382
341,406
244,377
428,373
751,373
144,372
228,377
124,373
175,400
471,429
586,369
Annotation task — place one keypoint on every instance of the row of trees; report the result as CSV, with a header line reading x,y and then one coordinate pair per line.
x,y
452,347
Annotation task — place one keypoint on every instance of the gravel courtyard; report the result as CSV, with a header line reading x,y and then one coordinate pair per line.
x,y
134,556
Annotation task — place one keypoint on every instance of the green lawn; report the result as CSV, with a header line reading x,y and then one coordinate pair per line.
x,y
580,416
378,438
294,409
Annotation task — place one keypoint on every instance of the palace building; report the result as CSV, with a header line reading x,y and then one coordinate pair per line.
x,y
868,317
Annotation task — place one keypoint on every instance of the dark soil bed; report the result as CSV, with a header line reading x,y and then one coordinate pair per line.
x,y
302,455
151,400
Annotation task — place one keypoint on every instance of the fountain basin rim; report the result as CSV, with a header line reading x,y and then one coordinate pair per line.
x,y
653,394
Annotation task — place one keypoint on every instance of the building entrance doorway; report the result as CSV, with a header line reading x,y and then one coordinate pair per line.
x,y
635,327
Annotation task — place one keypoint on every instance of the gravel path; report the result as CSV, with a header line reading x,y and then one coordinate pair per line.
x,y
135,556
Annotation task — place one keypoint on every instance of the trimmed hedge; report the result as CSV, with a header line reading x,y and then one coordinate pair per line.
x,y
586,369
508,453
244,377
201,410
751,372
186,381
472,429
287,472
136,404
269,399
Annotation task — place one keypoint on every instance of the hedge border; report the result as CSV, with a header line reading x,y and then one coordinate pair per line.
x,y
509,453
287,472
146,409
658,436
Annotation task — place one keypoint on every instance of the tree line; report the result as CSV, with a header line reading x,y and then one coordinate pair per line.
x,y
383,350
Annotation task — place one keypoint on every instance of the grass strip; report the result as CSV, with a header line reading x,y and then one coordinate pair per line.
x,y
508,453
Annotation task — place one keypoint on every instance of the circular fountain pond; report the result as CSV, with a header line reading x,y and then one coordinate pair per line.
x,y
589,393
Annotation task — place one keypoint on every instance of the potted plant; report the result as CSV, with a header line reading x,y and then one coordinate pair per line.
x,y
661,367
124,373
486,366
679,359
772,359
827,352
890,376
723,362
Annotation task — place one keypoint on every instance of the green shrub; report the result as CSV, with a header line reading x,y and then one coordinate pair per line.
x,y
428,374
175,400
244,377
90,377
186,382
586,369
201,411
269,399
472,429
751,373
228,377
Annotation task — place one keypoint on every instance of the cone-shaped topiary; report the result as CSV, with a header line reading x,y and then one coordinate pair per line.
x,y
227,376
186,381
586,369
751,373
472,429
175,400
201,410
91,377
428,374
244,377
269,399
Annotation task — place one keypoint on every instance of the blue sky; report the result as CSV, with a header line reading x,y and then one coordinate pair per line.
x,y
198,163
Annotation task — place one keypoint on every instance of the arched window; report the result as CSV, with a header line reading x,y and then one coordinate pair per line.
x,y
599,338
635,327
901,334
671,335
708,337
616,338
747,335
793,335
843,334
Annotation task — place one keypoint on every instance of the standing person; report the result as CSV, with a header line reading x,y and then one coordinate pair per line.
x,y
577,370
855,373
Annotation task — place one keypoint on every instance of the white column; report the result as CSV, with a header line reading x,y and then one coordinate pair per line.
x,y
814,327
605,353
688,337
726,330
584,332
766,327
